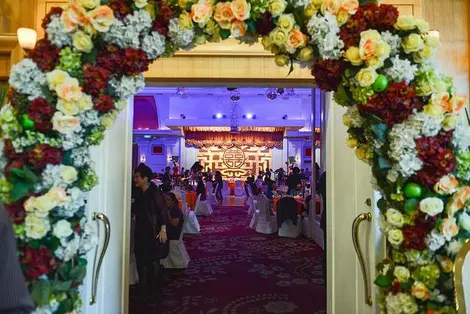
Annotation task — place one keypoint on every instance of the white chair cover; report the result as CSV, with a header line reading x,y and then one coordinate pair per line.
x,y
183,200
209,195
225,189
213,196
192,226
266,226
239,190
251,205
254,220
203,208
289,230
178,257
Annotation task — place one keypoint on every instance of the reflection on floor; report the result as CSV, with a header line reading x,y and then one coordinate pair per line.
x,y
234,270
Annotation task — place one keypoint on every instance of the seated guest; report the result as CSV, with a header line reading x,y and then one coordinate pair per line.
x,y
201,189
270,190
175,217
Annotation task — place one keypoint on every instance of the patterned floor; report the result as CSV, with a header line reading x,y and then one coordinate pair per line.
x,y
235,270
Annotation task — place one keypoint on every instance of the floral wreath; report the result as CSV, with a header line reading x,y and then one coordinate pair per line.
x,y
404,119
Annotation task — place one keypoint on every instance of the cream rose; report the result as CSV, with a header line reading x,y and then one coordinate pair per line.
x,y
85,103
451,121
310,10
223,15
383,49
68,107
55,78
281,60
89,4
58,195
286,21
62,229
238,28
185,21
394,217
69,90
422,25
306,54
433,111
351,142
464,221
401,273
68,22
140,3
366,77
431,206
43,205
368,43
296,39
241,9
349,6
446,185
278,36
423,55
449,228
330,6
101,18
405,23
68,174
277,7
29,204
353,56
36,227
420,291
201,12
432,42
65,124
412,43
457,201
395,237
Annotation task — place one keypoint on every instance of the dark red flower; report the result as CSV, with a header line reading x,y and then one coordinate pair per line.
x,y
425,222
328,74
414,238
14,164
47,19
45,54
165,14
43,154
121,8
135,61
265,24
110,58
11,153
95,79
393,105
38,262
40,111
16,212
104,103
396,287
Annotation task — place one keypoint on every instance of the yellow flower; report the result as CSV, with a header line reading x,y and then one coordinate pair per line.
x,y
89,4
85,103
318,3
201,12
185,21
310,10
56,77
450,121
306,54
331,6
342,17
266,43
241,9
82,42
150,8
352,55
420,291
101,18
375,62
422,26
140,3
278,36
286,21
68,174
434,111
423,55
281,60
446,264
68,107
277,7
183,3
412,43
351,142
432,42
405,23
107,120
69,90
366,77
383,49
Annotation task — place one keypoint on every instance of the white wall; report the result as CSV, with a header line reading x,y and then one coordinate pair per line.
x,y
171,147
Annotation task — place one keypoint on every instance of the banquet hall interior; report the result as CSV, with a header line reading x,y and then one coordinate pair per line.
x,y
242,163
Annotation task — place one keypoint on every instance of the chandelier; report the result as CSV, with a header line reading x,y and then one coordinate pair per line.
x,y
234,119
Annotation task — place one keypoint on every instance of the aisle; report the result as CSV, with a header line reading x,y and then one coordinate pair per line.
x,y
235,270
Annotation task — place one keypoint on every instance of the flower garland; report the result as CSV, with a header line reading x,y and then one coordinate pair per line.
x,y
404,119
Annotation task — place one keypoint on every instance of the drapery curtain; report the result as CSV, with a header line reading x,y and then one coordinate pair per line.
x,y
207,139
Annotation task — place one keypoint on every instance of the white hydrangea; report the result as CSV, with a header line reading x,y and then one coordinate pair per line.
x,y
299,3
127,86
435,240
89,238
384,225
76,200
436,296
182,38
68,249
401,70
393,40
403,149
89,118
400,303
72,140
81,157
27,78
56,33
127,33
426,124
454,247
353,116
324,31
461,137
51,177
154,45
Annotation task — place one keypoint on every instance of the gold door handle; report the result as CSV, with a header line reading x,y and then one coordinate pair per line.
x,y
357,247
97,263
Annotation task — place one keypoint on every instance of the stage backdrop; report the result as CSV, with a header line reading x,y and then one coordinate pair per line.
x,y
235,161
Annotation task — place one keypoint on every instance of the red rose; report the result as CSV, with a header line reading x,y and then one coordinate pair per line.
x,y
104,103
328,74
135,61
45,54
265,25
414,238
96,79
40,111
47,19
16,212
38,262
165,14
43,154
120,8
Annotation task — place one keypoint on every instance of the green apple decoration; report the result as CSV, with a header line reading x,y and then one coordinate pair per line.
x,y
26,122
411,205
412,190
380,84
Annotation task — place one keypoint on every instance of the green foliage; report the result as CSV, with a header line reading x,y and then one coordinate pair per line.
x,y
41,292
342,97
361,94
23,181
383,281
224,34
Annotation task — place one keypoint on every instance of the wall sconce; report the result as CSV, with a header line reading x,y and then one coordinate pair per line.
x,y
143,159
434,33
249,116
27,38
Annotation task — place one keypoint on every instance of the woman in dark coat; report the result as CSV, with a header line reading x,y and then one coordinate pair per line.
x,y
219,182
151,217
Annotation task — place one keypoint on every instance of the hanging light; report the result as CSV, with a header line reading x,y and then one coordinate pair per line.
x,y
235,95
27,38
271,93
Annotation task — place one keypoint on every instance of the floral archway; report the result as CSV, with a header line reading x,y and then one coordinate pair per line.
x,y
404,119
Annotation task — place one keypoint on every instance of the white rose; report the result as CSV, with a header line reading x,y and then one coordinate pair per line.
x,y
68,174
140,3
65,124
431,206
395,218
454,247
395,237
401,273
68,107
435,240
43,205
62,229
464,221
36,227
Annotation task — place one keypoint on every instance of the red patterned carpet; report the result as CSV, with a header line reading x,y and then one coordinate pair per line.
x,y
234,270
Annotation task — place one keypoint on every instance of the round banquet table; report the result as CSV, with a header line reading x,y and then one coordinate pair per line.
x,y
231,185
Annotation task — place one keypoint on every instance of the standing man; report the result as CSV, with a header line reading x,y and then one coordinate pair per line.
x,y
14,294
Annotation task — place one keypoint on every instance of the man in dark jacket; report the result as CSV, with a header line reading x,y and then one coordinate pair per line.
x,y
14,294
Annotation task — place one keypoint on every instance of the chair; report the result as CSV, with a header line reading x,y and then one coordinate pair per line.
x,y
267,222
239,191
203,208
251,205
289,223
192,226
225,189
209,194
183,200
254,220
178,257
289,230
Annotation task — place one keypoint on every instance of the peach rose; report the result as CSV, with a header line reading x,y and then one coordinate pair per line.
x,y
331,6
241,9
101,18
65,124
296,39
201,12
69,90
78,14
349,6
446,185
420,291
457,201
58,195
223,14
238,28
68,22
457,103
367,48
441,100
449,228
